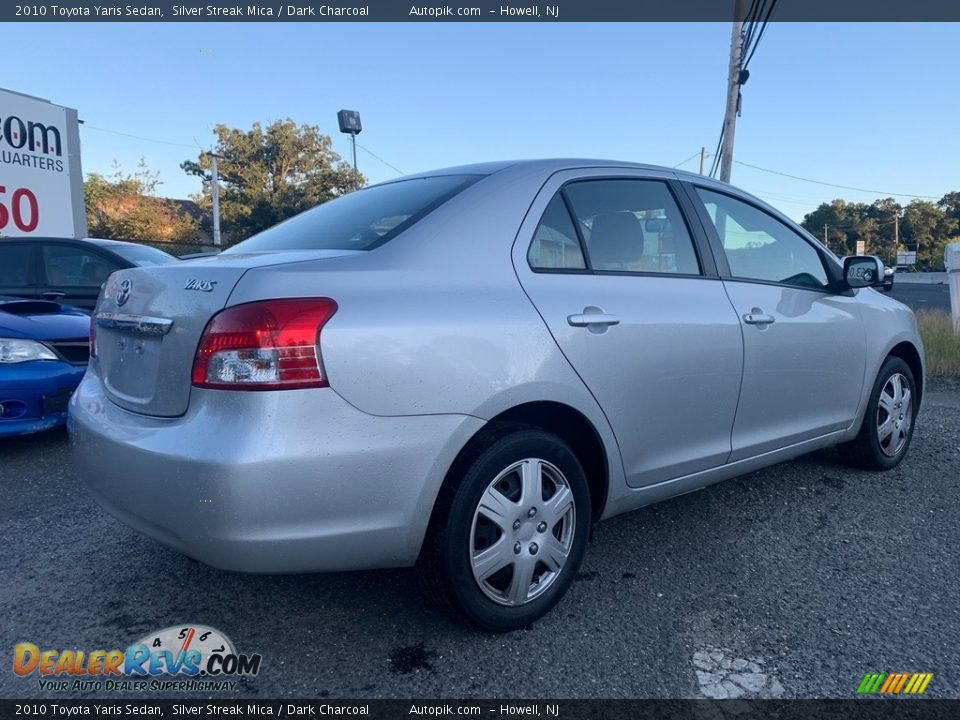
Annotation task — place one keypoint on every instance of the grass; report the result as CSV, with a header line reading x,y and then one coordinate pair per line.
x,y
941,345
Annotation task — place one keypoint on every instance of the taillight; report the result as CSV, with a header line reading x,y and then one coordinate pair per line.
x,y
265,345
93,337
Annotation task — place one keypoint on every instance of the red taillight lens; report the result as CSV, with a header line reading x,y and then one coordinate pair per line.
x,y
93,337
265,345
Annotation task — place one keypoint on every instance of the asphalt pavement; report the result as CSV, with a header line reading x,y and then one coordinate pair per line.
x,y
922,297
801,578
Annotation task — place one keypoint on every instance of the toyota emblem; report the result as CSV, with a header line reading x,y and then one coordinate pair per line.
x,y
124,293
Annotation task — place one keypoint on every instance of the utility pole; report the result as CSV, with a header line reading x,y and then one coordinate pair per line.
x,y
356,173
703,158
896,232
733,92
215,195
349,121
825,243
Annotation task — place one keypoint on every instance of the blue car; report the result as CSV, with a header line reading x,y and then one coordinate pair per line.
x,y
43,354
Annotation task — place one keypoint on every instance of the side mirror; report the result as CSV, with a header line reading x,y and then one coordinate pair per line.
x,y
888,275
863,271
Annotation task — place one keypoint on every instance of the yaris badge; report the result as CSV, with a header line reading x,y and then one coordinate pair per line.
x,y
200,285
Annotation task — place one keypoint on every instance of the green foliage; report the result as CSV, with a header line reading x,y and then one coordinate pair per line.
x,y
923,226
270,174
124,206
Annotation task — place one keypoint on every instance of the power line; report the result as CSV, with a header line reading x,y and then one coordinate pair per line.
x,y
197,144
763,28
835,185
372,154
753,14
860,226
697,153
137,137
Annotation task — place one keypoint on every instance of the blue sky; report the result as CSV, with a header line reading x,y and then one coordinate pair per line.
x,y
867,105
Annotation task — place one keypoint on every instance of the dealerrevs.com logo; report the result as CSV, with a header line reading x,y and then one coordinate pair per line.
x,y
188,658
30,144
30,136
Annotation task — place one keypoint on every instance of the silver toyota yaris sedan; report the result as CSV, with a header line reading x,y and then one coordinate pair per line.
x,y
462,370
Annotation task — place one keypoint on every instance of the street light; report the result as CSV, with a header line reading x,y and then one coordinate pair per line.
x,y
350,124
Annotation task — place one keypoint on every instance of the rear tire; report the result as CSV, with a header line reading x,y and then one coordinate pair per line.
x,y
888,424
509,530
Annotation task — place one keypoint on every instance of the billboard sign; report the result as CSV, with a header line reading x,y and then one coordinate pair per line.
x,y
907,258
41,181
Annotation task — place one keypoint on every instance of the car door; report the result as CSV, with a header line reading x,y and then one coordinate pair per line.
x,y
73,274
636,307
804,344
18,269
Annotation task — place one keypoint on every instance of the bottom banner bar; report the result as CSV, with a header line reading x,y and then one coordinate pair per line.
x,y
870,709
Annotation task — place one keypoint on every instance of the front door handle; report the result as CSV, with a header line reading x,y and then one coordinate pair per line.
x,y
758,318
592,316
52,295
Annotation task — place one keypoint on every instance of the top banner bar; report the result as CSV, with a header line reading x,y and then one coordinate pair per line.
x,y
477,11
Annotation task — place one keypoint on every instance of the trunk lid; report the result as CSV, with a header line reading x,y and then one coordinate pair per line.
x,y
149,321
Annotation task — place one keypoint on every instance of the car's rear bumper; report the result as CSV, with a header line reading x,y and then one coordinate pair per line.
x,y
34,395
286,481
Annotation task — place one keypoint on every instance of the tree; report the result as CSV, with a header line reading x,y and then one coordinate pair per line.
x,y
924,228
124,206
838,217
268,175
883,216
950,204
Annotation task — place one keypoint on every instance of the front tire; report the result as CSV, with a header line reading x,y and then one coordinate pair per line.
x,y
888,423
510,530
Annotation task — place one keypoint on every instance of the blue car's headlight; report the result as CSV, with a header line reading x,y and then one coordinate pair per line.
x,y
15,350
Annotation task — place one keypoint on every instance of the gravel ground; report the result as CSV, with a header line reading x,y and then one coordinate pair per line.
x,y
797,579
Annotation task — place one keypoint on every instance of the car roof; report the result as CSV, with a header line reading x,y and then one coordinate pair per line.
x,y
94,241
548,166
552,165
103,242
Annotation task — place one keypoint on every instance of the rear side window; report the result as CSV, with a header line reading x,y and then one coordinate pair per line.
x,y
555,244
361,220
14,265
68,266
632,226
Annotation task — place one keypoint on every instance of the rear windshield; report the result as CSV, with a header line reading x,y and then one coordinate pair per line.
x,y
142,255
361,220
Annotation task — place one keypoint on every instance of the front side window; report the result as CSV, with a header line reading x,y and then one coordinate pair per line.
x,y
760,247
632,226
361,220
68,266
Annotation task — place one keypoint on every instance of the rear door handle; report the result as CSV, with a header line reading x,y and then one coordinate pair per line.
x,y
594,318
52,295
758,318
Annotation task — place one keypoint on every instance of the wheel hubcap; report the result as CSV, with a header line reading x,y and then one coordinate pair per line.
x,y
522,532
894,415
